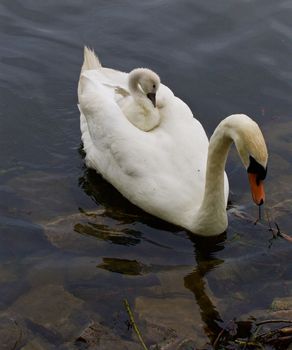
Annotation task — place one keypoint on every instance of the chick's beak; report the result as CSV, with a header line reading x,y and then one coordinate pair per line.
x,y
152,98
257,189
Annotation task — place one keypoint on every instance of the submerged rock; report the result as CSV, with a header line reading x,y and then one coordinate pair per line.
x,y
86,231
60,231
50,311
7,273
99,337
41,195
37,344
11,332
280,304
168,321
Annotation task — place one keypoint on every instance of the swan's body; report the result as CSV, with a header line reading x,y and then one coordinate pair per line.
x,y
165,171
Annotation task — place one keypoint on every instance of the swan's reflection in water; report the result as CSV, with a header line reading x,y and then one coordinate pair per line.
x,y
120,218
116,215
205,254
194,281
102,232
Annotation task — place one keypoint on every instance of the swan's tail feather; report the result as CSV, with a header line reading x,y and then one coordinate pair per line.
x,y
90,60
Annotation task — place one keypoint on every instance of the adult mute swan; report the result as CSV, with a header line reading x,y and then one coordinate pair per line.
x,y
172,171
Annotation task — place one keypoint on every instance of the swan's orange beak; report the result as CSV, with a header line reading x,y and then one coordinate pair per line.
x,y
257,189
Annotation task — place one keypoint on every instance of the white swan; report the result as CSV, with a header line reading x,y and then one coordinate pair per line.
x,y
171,172
135,93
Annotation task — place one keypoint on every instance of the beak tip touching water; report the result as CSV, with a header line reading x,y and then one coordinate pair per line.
x,y
257,189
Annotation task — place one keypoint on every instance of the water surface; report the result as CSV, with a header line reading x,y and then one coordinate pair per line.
x,y
72,248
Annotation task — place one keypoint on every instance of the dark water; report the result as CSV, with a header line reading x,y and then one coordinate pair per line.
x,y
71,247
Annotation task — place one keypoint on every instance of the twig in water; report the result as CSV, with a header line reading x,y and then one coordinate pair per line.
x,y
259,217
269,222
218,338
277,233
260,213
278,229
283,235
225,329
127,306
249,343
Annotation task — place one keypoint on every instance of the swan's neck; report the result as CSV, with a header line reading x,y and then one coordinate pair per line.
x,y
211,218
136,91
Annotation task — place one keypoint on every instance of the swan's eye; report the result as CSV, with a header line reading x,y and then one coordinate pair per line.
x,y
256,168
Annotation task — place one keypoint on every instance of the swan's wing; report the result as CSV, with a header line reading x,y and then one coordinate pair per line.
x,y
115,81
114,140
113,77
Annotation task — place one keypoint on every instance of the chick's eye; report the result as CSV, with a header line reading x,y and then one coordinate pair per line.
x,y
154,86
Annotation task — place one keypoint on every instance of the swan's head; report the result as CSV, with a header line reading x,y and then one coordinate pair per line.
x,y
253,152
146,81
